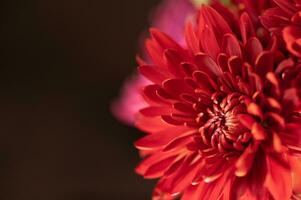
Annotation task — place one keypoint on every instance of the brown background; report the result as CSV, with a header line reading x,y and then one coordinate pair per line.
x,y
61,63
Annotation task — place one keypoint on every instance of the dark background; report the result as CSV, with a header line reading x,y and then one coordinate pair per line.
x,y
61,64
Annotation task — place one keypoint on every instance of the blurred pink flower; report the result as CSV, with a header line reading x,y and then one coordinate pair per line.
x,y
130,100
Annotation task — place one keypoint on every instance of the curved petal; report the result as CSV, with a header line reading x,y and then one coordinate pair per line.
x,y
279,180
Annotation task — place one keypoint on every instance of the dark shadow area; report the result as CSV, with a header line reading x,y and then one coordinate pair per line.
x,y
61,64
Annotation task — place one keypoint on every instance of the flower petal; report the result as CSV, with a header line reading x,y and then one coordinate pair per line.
x,y
246,27
153,73
279,180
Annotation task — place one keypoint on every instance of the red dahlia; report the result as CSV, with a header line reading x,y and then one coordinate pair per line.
x,y
285,19
224,114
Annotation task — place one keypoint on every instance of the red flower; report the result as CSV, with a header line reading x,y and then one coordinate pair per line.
x,y
285,19
223,116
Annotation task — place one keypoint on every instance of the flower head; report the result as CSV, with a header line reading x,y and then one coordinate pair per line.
x,y
223,119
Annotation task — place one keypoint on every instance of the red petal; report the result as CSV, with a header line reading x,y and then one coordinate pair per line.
x,y
284,65
180,141
270,76
150,94
287,6
153,73
246,120
235,65
279,180
222,61
254,109
157,170
207,64
275,120
208,191
246,27
164,40
229,16
212,19
292,37
231,45
245,161
175,166
186,174
173,60
153,160
188,68
253,48
258,132
170,120
176,87
156,111
264,63
190,191
291,98
150,124
274,17
295,164
184,108
154,52
257,175
191,39
204,81
273,104
210,45
159,139
277,143
291,136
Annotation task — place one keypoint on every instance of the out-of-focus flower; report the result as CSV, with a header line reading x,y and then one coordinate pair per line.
x,y
131,101
285,19
224,114
170,17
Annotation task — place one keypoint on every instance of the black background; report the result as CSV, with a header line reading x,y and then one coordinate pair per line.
x,y
61,64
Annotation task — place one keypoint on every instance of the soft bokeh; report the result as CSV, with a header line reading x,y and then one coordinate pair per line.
x,y
61,64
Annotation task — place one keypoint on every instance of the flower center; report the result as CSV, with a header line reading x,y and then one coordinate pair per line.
x,y
223,131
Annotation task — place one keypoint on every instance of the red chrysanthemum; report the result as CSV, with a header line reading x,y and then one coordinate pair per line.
x,y
285,19
224,114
